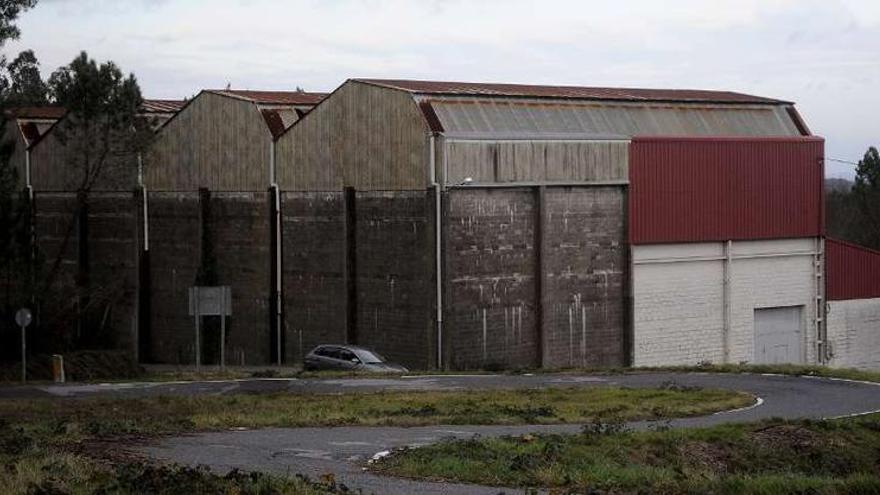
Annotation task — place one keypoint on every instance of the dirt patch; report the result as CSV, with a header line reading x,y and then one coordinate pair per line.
x,y
792,437
704,456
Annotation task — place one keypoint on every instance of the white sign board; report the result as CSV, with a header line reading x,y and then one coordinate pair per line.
x,y
210,301
23,317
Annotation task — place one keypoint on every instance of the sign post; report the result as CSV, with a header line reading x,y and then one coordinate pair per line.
x,y
23,317
210,301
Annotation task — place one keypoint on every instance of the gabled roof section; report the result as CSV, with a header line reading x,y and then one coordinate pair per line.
x,y
163,110
442,88
272,97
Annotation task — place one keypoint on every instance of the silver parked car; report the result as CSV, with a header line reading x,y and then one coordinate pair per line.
x,y
348,357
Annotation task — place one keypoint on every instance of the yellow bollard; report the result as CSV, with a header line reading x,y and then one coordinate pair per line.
x,y
58,368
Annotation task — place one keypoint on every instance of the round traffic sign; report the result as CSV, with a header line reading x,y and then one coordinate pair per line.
x,y
23,317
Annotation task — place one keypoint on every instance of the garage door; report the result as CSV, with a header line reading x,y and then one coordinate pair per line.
x,y
778,335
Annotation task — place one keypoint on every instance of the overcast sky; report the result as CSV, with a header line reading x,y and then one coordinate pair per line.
x,y
823,54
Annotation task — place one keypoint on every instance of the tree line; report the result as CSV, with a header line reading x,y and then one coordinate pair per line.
x,y
102,132
852,209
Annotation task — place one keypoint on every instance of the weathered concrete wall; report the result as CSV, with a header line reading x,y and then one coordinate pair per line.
x,y
92,294
491,318
113,263
679,298
854,333
174,220
584,253
521,297
55,227
395,275
313,237
227,242
240,233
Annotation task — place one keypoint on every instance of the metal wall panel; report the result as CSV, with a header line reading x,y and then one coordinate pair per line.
x,y
715,189
853,271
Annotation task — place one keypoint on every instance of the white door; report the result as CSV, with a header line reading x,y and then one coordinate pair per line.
x,y
778,335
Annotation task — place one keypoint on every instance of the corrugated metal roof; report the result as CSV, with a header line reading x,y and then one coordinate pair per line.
x,y
569,92
481,116
47,112
273,97
273,122
30,131
717,189
853,271
162,106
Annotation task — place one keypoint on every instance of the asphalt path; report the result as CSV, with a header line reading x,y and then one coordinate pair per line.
x,y
344,451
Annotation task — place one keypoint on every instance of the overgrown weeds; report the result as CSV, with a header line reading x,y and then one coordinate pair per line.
x,y
776,456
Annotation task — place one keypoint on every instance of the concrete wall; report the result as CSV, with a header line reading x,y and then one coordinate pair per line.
x,y
395,275
240,230
585,272
491,267
313,236
236,227
175,226
535,278
391,308
91,298
679,298
854,333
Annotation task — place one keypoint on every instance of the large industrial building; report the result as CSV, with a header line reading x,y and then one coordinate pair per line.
x,y
469,225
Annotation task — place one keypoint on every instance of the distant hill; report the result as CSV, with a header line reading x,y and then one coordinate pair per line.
x,y
838,185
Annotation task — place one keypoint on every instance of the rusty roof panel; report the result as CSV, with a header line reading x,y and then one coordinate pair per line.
x,y
30,131
273,97
162,106
274,122
569,92
46,112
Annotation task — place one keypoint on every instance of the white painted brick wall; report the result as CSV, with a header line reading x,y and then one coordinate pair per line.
x,y
679,307
854,333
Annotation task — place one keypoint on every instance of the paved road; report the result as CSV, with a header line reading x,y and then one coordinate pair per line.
x,y
343,451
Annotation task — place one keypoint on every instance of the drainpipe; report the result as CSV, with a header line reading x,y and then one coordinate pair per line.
x,y
144,258
438,242
144,193
728,262
32,231
277,226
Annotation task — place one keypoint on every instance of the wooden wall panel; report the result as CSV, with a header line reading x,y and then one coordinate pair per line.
x,y
536,161
361,136
55,165
216,142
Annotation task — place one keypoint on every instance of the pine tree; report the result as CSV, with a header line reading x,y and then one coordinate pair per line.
x,y
866,192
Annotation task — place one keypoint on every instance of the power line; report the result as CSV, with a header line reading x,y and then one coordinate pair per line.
x,y
840,161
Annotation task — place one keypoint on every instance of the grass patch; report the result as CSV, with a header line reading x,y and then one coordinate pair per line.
x,y
48,446
840,456
101,416
778,369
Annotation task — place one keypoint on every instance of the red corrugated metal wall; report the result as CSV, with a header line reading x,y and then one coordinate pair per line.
x,y
853,271
715,189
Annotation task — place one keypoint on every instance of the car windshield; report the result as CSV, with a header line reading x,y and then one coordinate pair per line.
x,y
369,357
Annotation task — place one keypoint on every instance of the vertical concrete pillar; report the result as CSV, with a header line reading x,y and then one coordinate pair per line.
x,y
541,273
351,289
82,260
